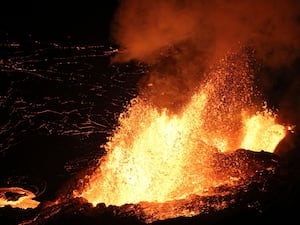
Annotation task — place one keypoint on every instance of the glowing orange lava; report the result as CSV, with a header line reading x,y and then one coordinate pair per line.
x,y
261,133
23,198
157,156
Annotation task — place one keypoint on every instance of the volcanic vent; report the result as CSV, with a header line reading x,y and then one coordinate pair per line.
x,y
199,116
157,157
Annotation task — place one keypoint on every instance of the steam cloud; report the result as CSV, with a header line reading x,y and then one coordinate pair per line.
x,y
180,39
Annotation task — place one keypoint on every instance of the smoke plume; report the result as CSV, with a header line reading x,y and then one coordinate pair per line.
x,y
181,39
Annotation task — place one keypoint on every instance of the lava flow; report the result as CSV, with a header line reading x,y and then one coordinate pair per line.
x,y
157,156
17,197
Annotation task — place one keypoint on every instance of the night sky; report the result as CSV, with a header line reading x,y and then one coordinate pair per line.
x,y
83,21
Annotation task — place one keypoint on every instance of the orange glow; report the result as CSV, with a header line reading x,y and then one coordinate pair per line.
x,y
157,156
24,198
262,132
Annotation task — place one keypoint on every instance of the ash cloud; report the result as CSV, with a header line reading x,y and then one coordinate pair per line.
x,y
145,27
181,39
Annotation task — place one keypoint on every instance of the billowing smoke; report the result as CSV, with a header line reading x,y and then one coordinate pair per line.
x,y
180,39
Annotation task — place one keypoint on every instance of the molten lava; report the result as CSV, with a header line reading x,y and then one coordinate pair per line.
x,y
157,156
262,132
17,197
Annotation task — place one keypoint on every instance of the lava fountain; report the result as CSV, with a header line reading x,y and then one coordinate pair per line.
x,y
158,156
